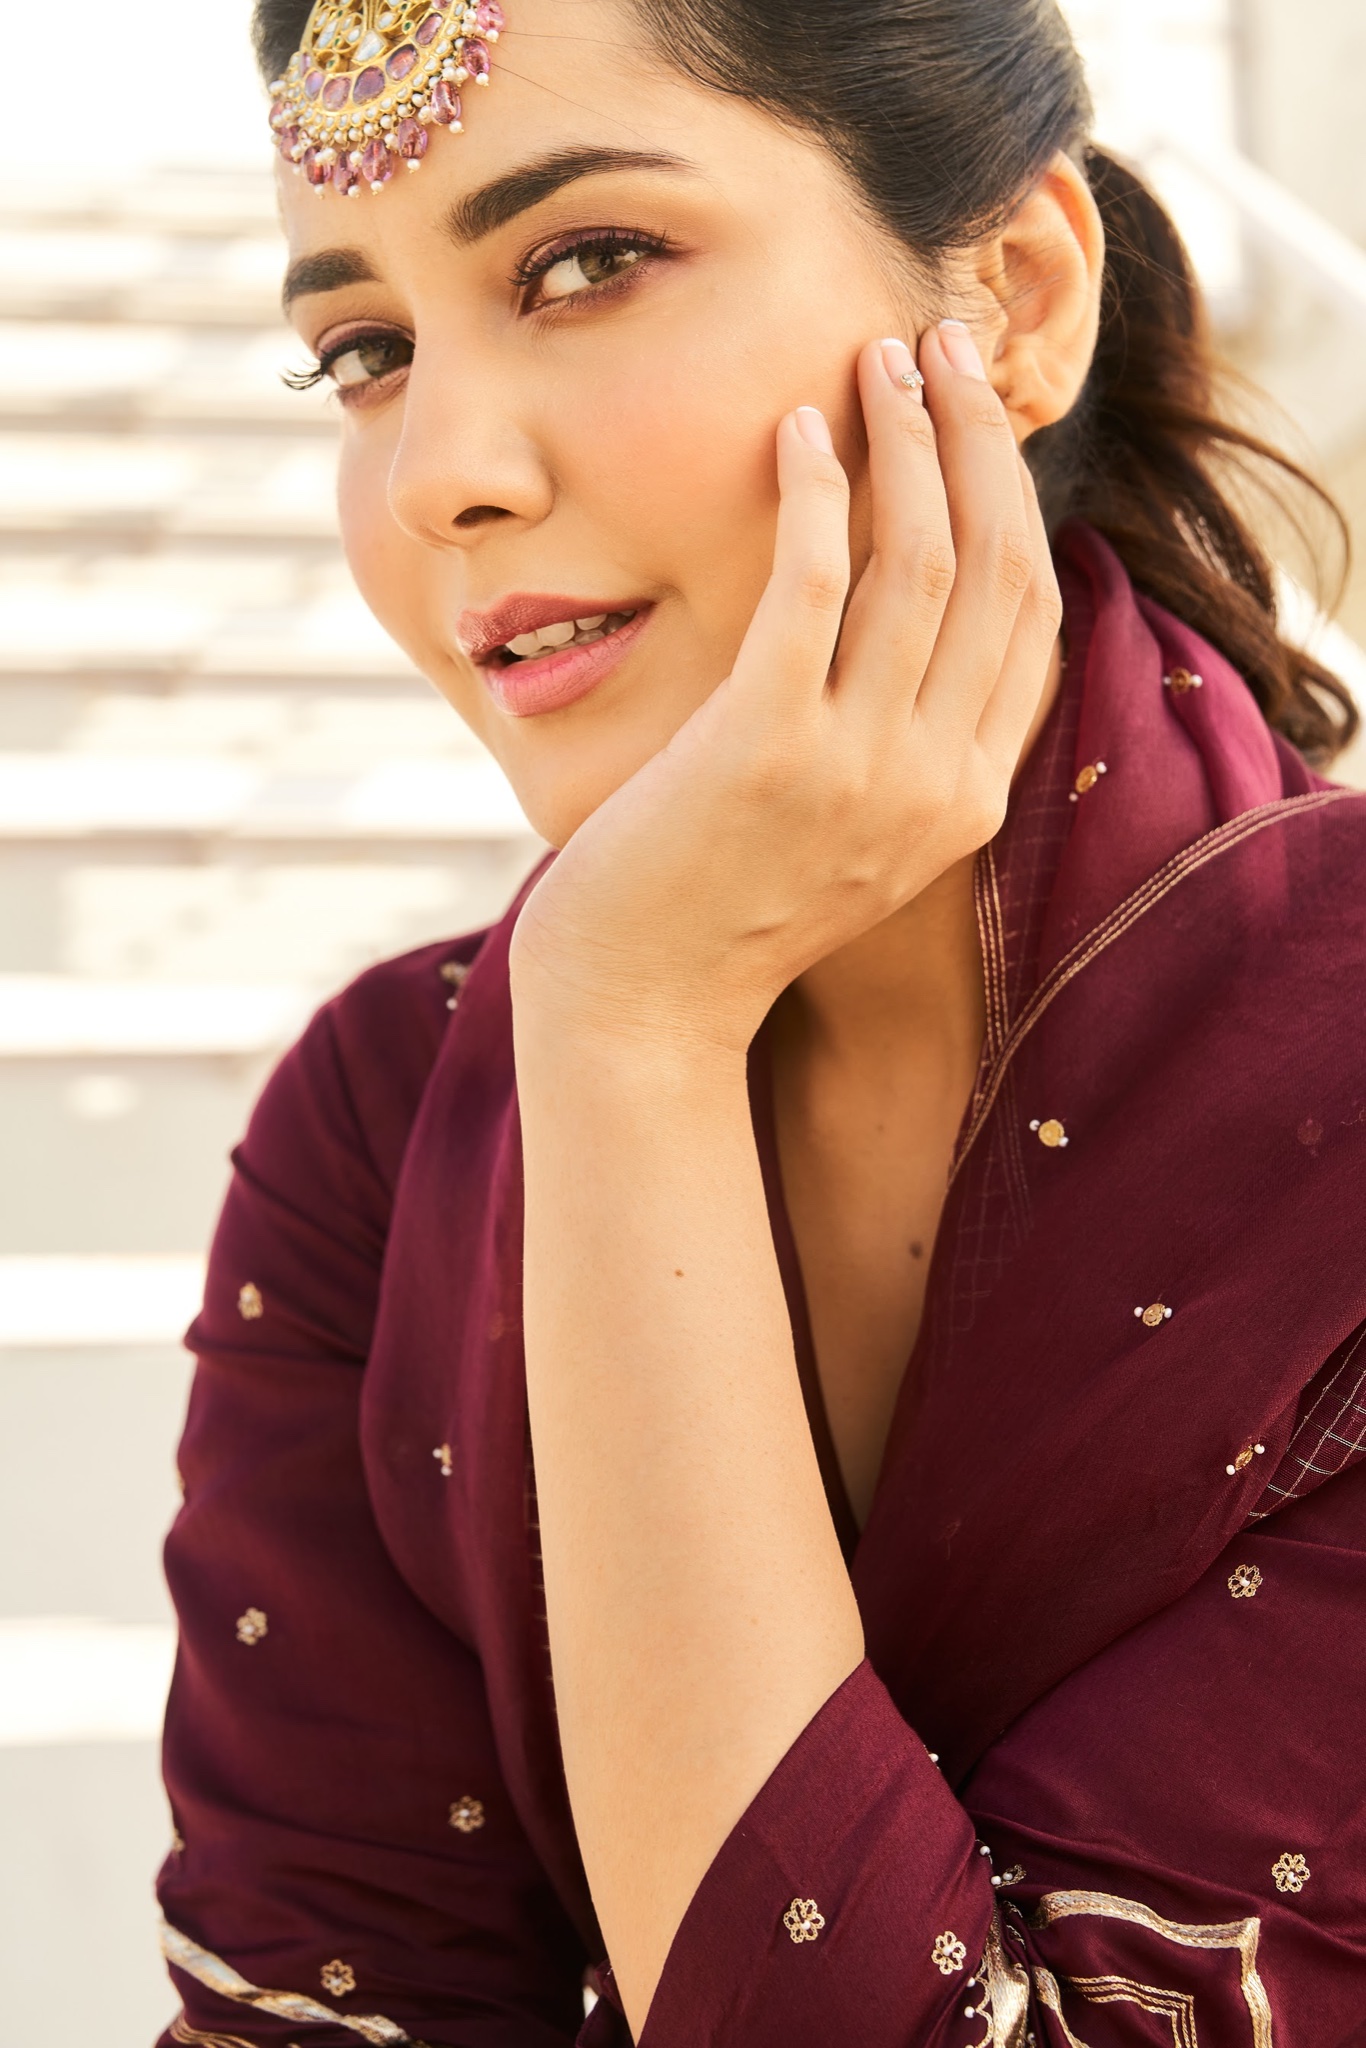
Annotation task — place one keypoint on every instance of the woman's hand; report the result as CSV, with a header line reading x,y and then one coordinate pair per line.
x,y
850,758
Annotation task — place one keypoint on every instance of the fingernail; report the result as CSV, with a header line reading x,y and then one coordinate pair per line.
x,y
811,425
961,349
901,367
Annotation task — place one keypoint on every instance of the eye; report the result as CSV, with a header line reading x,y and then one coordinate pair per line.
x,y
355,363
365,359
566,272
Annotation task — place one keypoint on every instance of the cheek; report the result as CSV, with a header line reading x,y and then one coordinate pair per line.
x,y
680,465
381,557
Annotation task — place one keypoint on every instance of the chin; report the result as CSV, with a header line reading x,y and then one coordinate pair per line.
x,y
555,814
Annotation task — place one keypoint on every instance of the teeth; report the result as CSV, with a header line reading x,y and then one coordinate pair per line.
x,y
566,632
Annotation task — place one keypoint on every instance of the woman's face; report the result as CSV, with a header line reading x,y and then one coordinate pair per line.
x,y
563,350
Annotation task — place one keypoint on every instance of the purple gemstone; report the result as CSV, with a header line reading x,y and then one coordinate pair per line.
x,y
402,61
491,17
345,176
369,85
277,113
313,83
445,103
412,138
429,30
475,58
336,93
376,164
315,172
289,140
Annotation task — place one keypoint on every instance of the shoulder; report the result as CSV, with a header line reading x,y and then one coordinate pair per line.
x,y
347,1092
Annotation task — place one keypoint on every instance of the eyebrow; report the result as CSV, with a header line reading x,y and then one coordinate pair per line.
x,y
481,213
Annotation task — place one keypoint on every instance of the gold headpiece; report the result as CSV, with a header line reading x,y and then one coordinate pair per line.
x,y
370,81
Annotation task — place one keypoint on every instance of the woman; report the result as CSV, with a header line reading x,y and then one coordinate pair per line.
x,y
573,1571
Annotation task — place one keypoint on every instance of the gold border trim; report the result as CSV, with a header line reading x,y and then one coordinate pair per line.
x,y
216,1975
182,2031
1223,839
1240,1935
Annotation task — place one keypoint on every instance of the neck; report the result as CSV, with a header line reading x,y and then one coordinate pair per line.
x,y
913,980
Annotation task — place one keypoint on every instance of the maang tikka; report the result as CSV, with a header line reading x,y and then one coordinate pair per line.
x,y
370,81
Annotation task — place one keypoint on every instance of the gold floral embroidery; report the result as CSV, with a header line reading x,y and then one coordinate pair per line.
x,y
1239,1935
250,1306
220,1977
338,1979
1291,1873
467,1814
455,974
1244,1581
803,1920
252,1626
948,1954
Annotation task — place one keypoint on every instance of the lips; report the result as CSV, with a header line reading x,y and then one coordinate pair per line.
x,y
485,636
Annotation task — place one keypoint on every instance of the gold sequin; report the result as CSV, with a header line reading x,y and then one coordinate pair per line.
x,y
251,1626
948,1954
1244,1458
177,1842
1244,1580
803,1920
455,974
338,1979
1154,1315
249,1303
442,1454
1050,1132
1087,780
1181,680
467,1814
1291,1873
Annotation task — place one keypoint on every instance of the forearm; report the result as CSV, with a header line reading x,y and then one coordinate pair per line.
x,y
700,1612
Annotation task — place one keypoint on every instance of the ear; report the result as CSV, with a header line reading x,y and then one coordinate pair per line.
x,y
1044,273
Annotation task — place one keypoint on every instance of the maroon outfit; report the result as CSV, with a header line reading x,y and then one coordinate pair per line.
x,y
1114,1575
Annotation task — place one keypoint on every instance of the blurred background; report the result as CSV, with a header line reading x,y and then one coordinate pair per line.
x,y
222,792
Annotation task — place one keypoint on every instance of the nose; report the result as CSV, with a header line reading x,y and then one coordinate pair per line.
x,y
465,462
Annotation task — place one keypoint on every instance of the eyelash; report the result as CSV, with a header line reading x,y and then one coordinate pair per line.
x,y
603,241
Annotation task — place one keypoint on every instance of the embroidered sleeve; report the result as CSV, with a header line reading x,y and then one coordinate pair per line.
x,y
346,1866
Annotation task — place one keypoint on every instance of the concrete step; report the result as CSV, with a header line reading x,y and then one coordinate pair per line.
x,y
243,487
136,274
106,610
63,376
77,798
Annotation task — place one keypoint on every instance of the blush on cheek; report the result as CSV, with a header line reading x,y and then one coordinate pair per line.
x,y
680,471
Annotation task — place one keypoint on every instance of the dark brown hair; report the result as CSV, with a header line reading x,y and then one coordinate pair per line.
x,y
944,113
